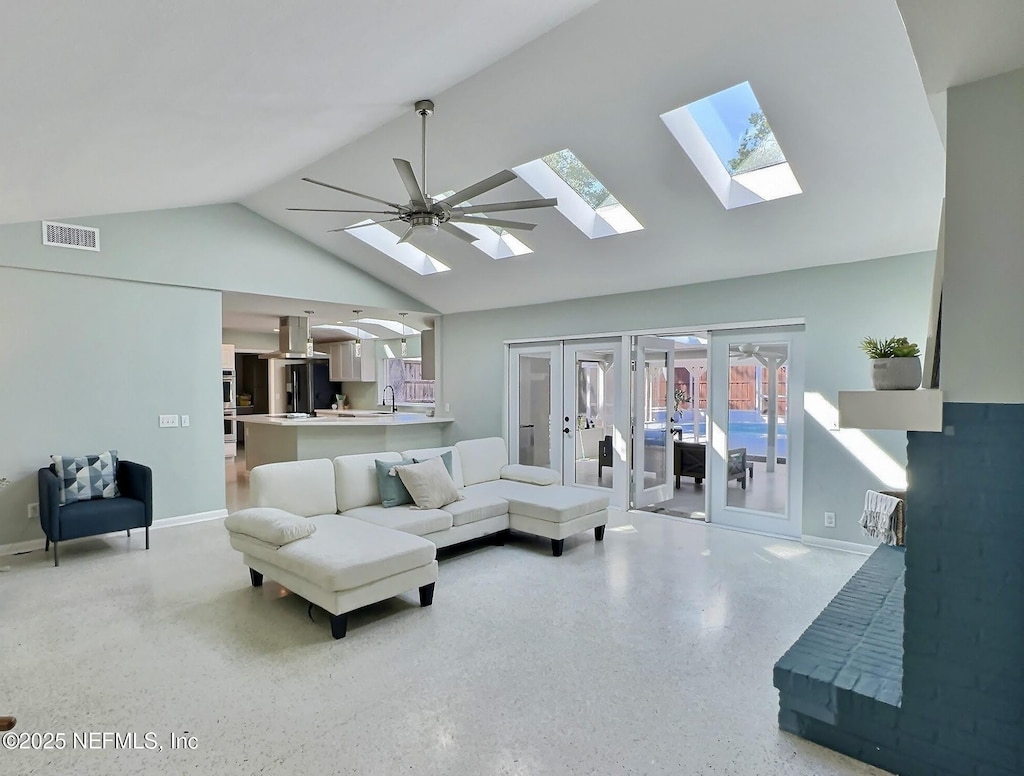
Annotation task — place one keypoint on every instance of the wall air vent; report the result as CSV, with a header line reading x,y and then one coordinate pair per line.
x,y
84,238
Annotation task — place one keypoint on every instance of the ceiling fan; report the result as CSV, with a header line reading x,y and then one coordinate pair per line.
x,y
427,214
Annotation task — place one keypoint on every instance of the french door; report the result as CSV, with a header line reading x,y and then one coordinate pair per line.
x,y
653,446
535,405
755,444
567,410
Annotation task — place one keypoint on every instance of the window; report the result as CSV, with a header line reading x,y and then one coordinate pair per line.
x,y
729,139
386,241
405,375
582,198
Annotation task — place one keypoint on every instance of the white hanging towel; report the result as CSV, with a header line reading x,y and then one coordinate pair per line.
x,y
877,518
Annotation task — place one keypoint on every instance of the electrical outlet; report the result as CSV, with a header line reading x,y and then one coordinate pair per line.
x,y
447,408
830,519
33,511
184,421
168,421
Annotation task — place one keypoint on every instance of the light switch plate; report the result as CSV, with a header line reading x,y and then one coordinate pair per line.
x,y
830,519
168,421
33,511
184,421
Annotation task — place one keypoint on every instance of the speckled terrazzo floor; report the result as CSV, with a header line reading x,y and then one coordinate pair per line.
x,y
650,653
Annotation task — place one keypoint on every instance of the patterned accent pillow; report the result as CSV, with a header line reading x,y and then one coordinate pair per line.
x,y
86,477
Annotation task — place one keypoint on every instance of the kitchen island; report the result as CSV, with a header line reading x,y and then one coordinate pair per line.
x,y
273,438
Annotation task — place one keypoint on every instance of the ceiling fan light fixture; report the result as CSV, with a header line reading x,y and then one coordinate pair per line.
x,y
424,222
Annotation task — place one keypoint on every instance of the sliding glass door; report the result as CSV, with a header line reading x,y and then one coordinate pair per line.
x,y
756,432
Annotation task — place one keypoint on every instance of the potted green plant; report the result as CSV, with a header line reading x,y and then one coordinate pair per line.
x,y
895,363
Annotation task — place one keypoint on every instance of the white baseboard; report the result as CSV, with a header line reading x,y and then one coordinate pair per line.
x,y
198,517
835,544
31,545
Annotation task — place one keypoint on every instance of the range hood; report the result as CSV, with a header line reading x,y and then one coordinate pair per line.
x,y
294,340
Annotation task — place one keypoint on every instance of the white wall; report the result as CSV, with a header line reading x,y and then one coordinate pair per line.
x,y
982,311
250,340
841,305
88,364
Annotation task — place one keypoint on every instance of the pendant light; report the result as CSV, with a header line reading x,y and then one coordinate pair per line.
x,y
309,334
405,344
359,341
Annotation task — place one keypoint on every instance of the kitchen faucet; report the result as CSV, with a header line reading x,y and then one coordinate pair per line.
x,y
384,398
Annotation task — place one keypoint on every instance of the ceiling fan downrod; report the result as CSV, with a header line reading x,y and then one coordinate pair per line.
x,y
425,108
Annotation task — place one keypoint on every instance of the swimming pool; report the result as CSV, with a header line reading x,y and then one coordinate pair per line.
x,y
746,429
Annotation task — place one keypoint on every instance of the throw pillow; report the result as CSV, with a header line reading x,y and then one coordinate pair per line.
x,y
273,526
86,477
429,483
393,492
446,459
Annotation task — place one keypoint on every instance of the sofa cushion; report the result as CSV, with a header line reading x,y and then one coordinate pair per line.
x,y
345,553
86,477
393,492
303,488
429,483
356,479
482,459
404,518
473,508
424,453
555,503
97,516
533,475
273,526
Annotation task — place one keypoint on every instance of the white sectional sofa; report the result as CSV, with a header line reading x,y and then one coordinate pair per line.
x,y
393,548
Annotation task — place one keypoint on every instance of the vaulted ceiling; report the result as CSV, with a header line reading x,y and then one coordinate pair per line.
x,y
122,107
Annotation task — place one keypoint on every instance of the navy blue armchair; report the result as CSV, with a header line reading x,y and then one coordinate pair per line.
x,y
132,509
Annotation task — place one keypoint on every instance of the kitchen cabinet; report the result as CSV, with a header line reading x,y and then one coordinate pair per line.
x,y
346,366
227,357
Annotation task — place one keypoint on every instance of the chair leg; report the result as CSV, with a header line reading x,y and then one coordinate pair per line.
x,y
47,544
128,531
147,537
56,557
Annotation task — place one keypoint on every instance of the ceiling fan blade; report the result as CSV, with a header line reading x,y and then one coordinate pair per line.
x,y
395,205
409,179
498,222
525,204
407,235
331,210
456,232
360,226
481,187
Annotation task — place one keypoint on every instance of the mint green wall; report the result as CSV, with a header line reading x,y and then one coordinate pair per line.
x,y
225,247
841,304
89,364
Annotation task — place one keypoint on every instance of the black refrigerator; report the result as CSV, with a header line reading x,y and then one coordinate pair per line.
x,y
309,387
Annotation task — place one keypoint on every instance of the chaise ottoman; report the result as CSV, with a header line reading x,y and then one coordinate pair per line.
x,y
341,566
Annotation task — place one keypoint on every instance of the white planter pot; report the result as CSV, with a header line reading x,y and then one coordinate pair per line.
x,y
896,374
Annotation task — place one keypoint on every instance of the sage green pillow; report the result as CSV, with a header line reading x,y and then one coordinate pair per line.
x,y
393,492
446,459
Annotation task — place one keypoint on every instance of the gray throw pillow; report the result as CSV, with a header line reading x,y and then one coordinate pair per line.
x,y
86,477
429,483
393,492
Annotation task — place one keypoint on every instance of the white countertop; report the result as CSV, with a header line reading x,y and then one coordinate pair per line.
x,y
350,418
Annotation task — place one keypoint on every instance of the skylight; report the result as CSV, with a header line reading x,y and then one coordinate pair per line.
x,y
496,242
729,139
582,198
355,331
406,254
395,326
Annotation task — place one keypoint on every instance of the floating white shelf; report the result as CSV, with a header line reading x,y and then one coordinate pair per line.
x,y
919,410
